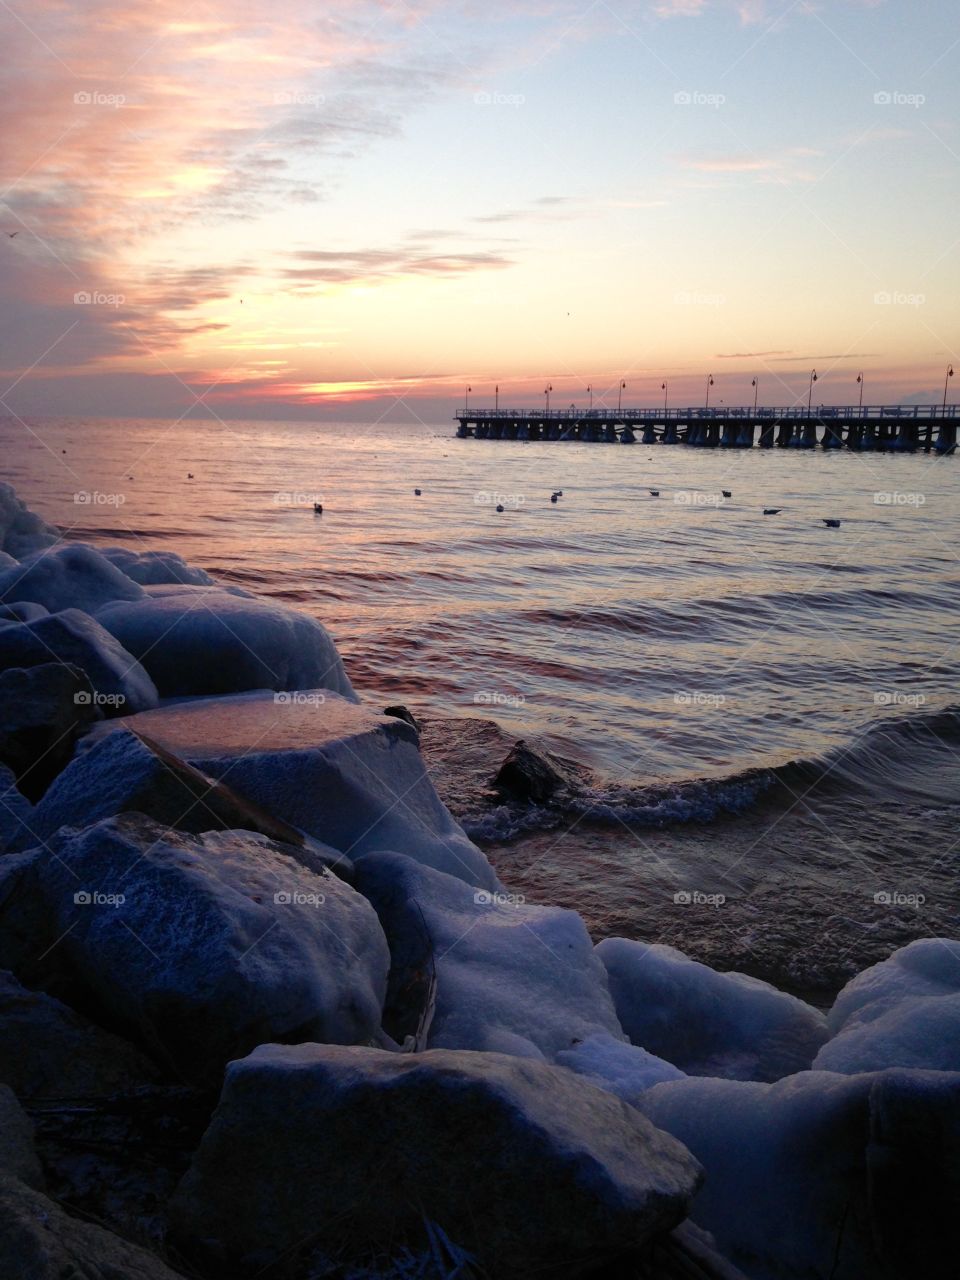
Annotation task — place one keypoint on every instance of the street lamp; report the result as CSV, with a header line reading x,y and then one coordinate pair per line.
x,y
709,385
620,395
813,379
861,380
590,389
547,394
663,388
466,399
946,382
497,395
756,392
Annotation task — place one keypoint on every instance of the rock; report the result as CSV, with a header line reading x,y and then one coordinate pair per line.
x,y
18,1155
49,1051
152,567
7,562
529,775
709,1023
351,778
213,642
120,683
21,611
919,1032
824,1175
519,1164
124,773
16,813
501,975
38,1240
927,967
42,712
21,531
402,713
622,1069
198,949
70,576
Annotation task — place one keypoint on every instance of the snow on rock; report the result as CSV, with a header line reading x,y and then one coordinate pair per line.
x,y
927,967
42,711
21,611
151,567
529,1170
510,977
7,562
709,1023
199,947
823,1175
70,576
21,530
623,1069
350,777
124,773
16,812
120,683
214,642
919,1032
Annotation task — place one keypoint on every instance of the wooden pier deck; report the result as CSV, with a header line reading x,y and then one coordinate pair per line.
x,y
878,428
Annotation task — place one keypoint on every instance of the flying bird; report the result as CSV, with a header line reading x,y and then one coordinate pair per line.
x,y
11,234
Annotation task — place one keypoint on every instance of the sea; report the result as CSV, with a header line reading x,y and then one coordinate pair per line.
x,y
757,715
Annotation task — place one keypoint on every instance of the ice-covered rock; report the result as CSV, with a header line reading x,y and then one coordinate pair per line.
x,y
21,611
199,948
16,812
927,967
709,1023
40,1241
120,683
18,1155
42,711
526,1168
7,562
922,1031
353,779
69,576
151,567
123,773
623,1069
824,1175
49,1051
21,530
505,976
212,642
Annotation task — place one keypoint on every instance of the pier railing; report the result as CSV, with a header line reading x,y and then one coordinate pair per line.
x,y
817,412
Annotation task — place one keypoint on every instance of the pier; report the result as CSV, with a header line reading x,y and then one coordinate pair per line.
x,y
873,428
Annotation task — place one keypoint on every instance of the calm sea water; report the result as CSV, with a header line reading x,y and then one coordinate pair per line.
x,y
767,706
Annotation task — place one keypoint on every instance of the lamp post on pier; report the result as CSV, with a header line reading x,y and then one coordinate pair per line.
x,y
813,379
756,392
861,380
663,388
620,395
466,399
946,383
496,392
709,385
547,391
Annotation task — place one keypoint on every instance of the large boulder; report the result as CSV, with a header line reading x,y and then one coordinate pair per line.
x,y
824,1175
121,686
213,642
124,773
49,1051
709,1023
69,576
526,1168
42,712
18,1155
16,813
346,775
152,567
38,1240
21,530
475,969
623,1069
919,1032
197,948
927,967
21,611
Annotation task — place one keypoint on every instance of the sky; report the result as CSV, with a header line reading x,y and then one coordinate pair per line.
x,y
358,210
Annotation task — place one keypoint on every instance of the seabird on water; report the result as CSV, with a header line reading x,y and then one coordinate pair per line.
x,y
772,511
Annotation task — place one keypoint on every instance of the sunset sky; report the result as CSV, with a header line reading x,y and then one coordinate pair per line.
x,y
354,210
